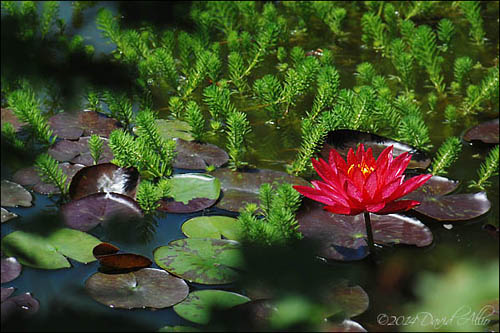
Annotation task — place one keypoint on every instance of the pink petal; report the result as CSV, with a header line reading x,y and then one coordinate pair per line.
x,y
371,184
374,208
398,206
314,194
337,209
353,192
358,179
323,170
389,189
410,185
360,154
351,158
331,192
399,165
336,161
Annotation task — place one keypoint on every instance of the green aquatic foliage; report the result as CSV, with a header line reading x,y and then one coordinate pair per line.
x,y
49,171
218,100
365,73
275,223
328,82
176,106
407,29
195,119
472,12
432,100
487,170
95,147
417,8
374,31
445,32
26,107
9,134
403,63
158,68
238,128
268,90
149,193
93,100
237,69
461,71
50,13
108,25
450,113
486,91
446,155
120,108
391,19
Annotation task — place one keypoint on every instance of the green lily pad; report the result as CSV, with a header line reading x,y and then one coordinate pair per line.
x,y
201,260
212,227
49,251
148,287
170,129
199,304
6,215
14,195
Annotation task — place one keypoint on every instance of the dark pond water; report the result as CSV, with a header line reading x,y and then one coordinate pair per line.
x,y
65,306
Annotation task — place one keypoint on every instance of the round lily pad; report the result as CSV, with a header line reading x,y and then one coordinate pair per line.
x,y
193,155
148,287
241,188
72,125
201,260
173,128
343,140
19,306
105,177
6,292
350,301
48,251
6,215
8,116
486,132
110,260
14,195
11,268
86,213
78,151
191,192
342,237
199,304
212,227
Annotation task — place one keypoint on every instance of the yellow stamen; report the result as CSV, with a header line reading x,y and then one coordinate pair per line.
x,y
365,169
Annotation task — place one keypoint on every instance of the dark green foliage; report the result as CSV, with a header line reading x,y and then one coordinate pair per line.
x,y
486,91
158,68
149,193
176,106
95,147
446,155
49,14
488,169
275,223
432,101
120,108
237,131
417,8
218,100
472,12
450,113
195,119
461,70
93,98
237,69
268,91
49,171
9,134
365,73
147,130
445,32
374,31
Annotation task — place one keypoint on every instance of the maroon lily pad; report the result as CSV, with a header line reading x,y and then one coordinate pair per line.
x,y
8,116
437,203
486,132
11,268
86,213
108,257
343,140
72,125
104,249
14,195
148,287
6,292
241,188
193,155
78,151
19,306
342,237
29,177
105,177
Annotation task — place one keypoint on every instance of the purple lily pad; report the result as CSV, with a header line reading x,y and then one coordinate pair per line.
x,y
78,151
193,155
14,195
6,215
148,287
105,177
29,177
11,268
342,237
8,116
86,213
6,292
241,188
72,125
19,306
346,325
343,140
352,301
437,203
486,132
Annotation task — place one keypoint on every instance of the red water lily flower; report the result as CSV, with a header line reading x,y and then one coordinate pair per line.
x,y
363,184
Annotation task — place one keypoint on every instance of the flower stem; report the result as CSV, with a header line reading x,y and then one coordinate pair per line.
x,y
368,224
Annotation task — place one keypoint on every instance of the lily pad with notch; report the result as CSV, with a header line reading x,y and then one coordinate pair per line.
x,y
145,288
342,237
201,260
11,268
242,187
437,203
18,307
86,213
14,195
194,155
173,128
72,125
49,251
198,305
487,132
191,192
213,227
112,261
105,177
343,140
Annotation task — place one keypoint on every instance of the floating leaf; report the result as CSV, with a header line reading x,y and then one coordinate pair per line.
x,y
254,314
111,260
104,249
170,129
86,213
78,151
148,287
346,325
48,251
14,195
199,304
486,132
201,260
72,125
437,203
191,192
342,237
19,306
105,177
343,140
6,215
178,329
9,117
29,177
350,301
240,188
11,269
193,155
6,292
212,227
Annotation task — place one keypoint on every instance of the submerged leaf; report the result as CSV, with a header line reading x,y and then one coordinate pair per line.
x,y
170,129
487,132
72,125
14,195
